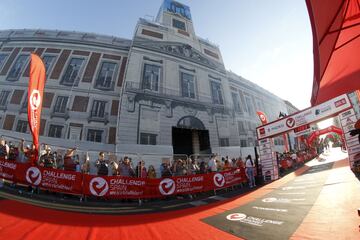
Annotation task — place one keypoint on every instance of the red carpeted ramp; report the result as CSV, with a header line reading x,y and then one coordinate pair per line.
x,y
332,216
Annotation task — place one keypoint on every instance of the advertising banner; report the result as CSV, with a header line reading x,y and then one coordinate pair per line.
x,y
51,179
228,178
35,96
307,116
348,119
8,169
126,187
182,185
268,160
114,186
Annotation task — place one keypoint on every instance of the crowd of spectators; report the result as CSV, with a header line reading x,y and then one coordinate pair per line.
x,y
197,165
292,160
108,165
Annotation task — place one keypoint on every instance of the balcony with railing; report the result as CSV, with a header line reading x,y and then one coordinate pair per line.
x,y
98,117
177,95
105,86
60,113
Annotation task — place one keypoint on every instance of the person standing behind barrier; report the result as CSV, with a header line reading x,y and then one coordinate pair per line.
x,y
249,164
227,165
101,165
3,149
165,170
47,160
203,168
194,167
125,168
21,157
69,161
13,152
212,164
30,154
179,168
141,170
151,172
294,158
85,167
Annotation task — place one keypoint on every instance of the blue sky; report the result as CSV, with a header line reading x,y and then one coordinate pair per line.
x,y
268,42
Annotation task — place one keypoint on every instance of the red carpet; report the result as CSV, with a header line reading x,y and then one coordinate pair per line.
x,y
333,216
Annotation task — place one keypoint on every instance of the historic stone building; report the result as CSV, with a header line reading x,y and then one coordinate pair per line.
x,y
165,91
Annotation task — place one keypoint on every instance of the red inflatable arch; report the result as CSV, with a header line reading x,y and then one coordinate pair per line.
x,y
318,133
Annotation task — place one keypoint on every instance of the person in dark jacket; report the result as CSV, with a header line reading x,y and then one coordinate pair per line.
x,y
47,160
101,165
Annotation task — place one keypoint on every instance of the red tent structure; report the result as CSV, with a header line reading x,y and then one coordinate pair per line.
x,y
336,39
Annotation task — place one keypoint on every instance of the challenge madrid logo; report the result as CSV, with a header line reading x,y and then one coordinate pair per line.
x,y
219,180
290,122
98,186
167,186
35,99
33,176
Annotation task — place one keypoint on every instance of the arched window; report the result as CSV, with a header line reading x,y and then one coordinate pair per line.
x,y
191,123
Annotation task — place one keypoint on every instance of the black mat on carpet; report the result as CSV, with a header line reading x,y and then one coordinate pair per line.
x,y
278,214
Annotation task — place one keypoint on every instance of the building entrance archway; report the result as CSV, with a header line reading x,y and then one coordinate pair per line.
x,y
190,136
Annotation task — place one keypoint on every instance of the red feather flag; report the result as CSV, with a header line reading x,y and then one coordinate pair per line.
x,y
35,96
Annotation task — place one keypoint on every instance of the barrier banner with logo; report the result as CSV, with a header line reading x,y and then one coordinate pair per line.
x,y
227,179
114,186
8,169
50,179
126,187
179,185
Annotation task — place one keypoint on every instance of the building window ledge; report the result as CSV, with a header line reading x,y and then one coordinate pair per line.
x,y
104,88
94,118
64,115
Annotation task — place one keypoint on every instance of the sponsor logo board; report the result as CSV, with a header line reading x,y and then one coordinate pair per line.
x,y
354,149
351,120
346,114
308,116
340,102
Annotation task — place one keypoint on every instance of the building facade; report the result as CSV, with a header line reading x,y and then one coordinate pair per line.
x,y
166,91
